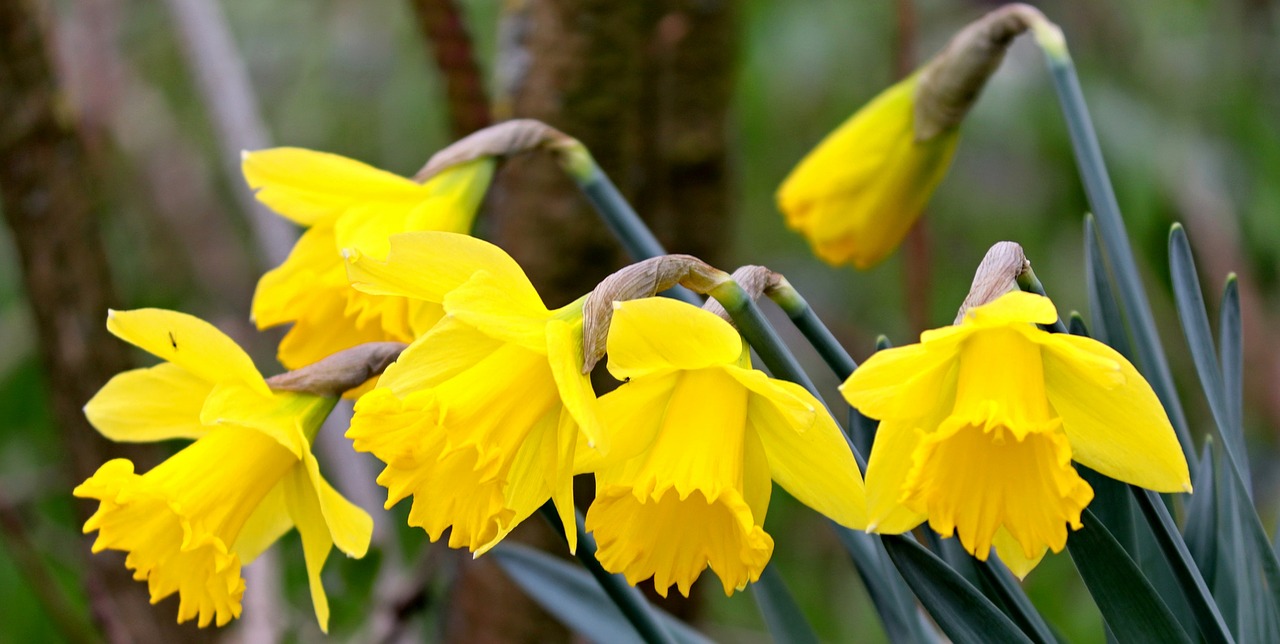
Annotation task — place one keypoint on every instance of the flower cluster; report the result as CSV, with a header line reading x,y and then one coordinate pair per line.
x,y
487,414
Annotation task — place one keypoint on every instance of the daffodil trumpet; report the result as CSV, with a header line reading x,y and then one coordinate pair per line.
x,y
688,488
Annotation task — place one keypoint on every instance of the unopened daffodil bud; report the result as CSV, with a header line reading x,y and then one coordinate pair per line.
x,y
855,196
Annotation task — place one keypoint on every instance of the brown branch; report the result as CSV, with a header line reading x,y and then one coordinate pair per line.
x,y
441,24
48,202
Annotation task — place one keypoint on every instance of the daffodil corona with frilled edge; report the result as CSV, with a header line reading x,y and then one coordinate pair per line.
x,y
855,196
980,423
478,419
347,204
696,437
190,524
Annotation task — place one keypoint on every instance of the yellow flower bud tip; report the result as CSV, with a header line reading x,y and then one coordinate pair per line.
x,y
190,523
949,404
705,465
855,196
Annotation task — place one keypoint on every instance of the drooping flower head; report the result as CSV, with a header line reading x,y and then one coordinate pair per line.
x,y
478,419
347,204
855,195
980,423
190,524
696,438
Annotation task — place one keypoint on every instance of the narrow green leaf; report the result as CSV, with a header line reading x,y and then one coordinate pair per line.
x,y
1201,529
781,614
1104,312
1130,605
570,594
997,579
1212,626
893,600
1231,355
963,613
1195,326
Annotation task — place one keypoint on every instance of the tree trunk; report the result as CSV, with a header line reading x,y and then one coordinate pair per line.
x,y
48,202
646,86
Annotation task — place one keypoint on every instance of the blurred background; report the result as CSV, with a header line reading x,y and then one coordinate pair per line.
x,y
122,121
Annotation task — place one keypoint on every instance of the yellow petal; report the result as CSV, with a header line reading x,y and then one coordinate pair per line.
x,y
811,460
1012,555
154,404
404,435
304,508
349,527
1113,419
314,266
188,342
450,348
510,311
448,204
264,527
1011,308
757,481
890,462
426,265
699,444
630,416
284,417
858,192
904,382
564,353
658,334
535,476
307,186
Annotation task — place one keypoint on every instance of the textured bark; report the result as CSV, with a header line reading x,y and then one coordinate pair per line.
x,y
646,86
441,24
45,184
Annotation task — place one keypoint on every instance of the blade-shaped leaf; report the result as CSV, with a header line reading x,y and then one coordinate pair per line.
x,y
962,612
1201,529
781,614
1231,355
570,594
1195,326
893,600
1130,605
1213,627
1107,321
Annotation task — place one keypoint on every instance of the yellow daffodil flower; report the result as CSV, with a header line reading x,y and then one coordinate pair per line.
x,y
478,419
855,196
347,204
190,524
696,436
980,423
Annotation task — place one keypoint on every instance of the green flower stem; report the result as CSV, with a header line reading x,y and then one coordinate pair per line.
x,y
861,430
622,220
817,333
1028,282
1102,197
634,606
